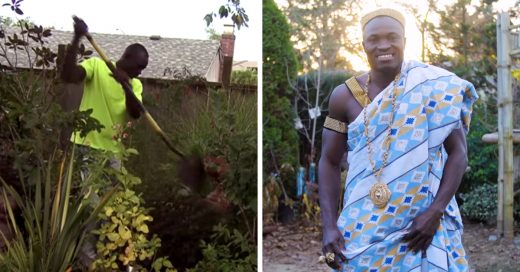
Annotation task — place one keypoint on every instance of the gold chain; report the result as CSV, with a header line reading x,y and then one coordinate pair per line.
x,y
386,142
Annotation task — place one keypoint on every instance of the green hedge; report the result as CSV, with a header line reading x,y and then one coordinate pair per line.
x,y
483,157
280,139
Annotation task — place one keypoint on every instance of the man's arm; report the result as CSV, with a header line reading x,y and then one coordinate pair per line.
x,y
133,105
333,148
425,225
454,169
71,72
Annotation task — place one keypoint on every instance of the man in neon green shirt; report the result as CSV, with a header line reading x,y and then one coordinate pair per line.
x,y
103,92
111,105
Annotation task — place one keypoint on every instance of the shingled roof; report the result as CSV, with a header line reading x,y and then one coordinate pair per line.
x,y
165,54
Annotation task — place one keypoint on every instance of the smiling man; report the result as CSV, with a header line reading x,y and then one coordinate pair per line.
x,y
403,125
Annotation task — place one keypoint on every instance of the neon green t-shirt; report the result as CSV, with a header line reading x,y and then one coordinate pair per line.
x,y
105,96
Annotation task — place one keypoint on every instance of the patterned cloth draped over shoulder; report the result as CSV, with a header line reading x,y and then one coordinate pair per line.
x,y
431,103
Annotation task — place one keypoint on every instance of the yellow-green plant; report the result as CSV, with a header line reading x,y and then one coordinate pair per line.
x,y
516,74
122,235
312,211
272,191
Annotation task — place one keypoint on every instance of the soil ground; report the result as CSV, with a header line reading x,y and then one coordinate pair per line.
x,y
295,248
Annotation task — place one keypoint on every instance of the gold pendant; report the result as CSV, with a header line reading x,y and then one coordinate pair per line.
x,y
380,194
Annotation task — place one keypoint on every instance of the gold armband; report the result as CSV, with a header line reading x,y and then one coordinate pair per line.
x,y
335,125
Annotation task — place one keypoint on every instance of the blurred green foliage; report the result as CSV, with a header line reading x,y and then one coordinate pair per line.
x,y
244,77
218,125
279,66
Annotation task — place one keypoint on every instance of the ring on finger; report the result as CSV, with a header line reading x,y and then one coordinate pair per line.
x,y
329,257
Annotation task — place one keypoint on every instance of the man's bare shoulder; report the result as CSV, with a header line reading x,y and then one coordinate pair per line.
x,y
340,92
340,96
339,101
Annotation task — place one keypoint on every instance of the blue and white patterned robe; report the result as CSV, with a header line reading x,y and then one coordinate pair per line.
x,y
431,103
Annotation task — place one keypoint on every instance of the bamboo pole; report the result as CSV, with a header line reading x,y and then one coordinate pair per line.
x,y
505,128
492,138
500,181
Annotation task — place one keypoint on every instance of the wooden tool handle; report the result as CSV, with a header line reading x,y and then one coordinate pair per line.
x,y
128,89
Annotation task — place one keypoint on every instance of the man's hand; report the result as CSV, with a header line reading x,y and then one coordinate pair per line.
x,y
80,28
333,242
422,230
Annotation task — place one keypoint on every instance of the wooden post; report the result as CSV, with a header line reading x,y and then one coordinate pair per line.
x,y
505,128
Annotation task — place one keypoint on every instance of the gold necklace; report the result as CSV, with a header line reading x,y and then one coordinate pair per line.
x,y
379,192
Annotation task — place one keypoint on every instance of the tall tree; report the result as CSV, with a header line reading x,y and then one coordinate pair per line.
x,y
279,66
320,29
465,40
422,21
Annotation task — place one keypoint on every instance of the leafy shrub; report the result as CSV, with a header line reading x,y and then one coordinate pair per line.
x,y
271,192
221,126
123,233
229,250
483,157
226,128
246,77
480,203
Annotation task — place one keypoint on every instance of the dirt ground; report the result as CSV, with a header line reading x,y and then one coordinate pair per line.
x,y
296,248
